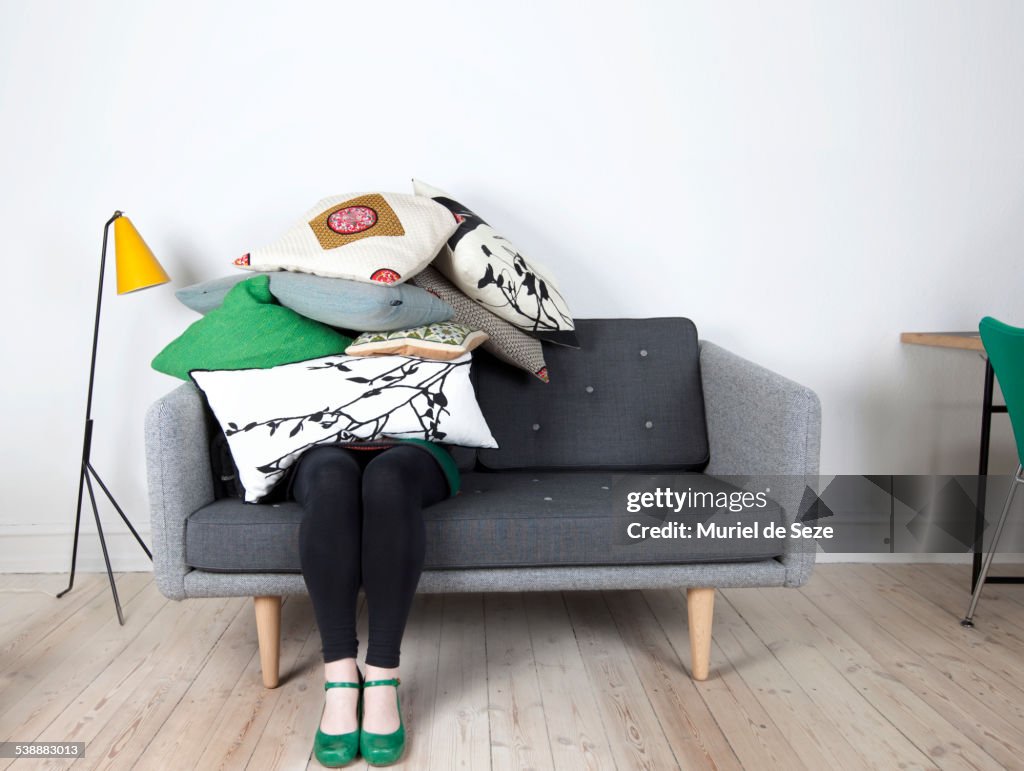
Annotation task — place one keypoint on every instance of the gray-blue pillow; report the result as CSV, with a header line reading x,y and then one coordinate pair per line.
x,y
338,302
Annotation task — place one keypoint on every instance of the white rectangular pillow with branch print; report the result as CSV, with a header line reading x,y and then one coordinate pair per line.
x,y
271,416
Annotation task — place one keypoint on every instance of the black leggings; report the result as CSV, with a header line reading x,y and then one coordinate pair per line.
x,y
363,524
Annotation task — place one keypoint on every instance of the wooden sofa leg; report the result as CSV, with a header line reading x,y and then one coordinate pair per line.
x,y
700,611
268,632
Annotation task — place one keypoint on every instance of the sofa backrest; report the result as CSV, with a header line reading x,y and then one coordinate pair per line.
x,y
630,398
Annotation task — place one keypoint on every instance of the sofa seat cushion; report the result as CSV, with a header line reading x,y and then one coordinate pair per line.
x,y
630,398
506,519
232,536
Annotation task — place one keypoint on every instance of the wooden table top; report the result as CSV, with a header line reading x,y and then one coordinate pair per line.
x,y
967,341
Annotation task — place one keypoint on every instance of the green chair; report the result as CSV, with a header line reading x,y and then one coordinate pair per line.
x,y
1005,348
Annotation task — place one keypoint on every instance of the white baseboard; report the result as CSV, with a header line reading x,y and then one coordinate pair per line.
x,y
900,559
46,548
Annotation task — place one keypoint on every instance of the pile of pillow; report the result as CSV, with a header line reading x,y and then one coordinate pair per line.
x,y
423,279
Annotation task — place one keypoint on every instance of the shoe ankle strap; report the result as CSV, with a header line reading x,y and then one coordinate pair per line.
x,y
392,681
339,684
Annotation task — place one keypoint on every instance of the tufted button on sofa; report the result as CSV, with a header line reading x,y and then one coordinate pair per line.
x,y
639,399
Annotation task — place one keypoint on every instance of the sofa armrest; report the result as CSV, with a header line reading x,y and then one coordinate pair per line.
x,y
767,429
179,477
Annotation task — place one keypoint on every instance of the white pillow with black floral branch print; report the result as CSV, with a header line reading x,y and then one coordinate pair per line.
x,y
271,416
492,272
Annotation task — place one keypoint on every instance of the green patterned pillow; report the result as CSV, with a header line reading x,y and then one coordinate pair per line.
x,y
444,341
249,331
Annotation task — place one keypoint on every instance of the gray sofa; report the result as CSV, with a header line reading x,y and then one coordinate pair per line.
x,y
640,397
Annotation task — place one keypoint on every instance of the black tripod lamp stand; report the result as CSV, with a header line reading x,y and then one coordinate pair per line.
x,y
137,269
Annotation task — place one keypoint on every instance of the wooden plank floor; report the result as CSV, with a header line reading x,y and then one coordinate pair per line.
x,y
866,667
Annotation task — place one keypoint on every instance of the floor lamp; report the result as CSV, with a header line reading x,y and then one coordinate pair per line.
x,y
137,268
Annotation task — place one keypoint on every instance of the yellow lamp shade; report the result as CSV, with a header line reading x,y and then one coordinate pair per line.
x,y
137,268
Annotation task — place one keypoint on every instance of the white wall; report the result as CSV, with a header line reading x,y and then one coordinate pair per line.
x,y
804,179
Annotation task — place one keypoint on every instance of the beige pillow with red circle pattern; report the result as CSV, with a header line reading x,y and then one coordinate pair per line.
x,y
376,237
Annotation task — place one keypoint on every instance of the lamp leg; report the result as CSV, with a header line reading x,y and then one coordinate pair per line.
x,y
119,511
78,523
103,545
968,620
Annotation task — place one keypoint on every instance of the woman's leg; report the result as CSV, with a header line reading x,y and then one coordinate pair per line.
x,y
327,485
397,485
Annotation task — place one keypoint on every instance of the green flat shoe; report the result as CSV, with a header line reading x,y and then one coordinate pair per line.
x,y
334,750
383,749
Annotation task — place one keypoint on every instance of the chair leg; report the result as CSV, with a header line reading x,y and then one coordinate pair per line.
x,y
968,620
268,632
700,611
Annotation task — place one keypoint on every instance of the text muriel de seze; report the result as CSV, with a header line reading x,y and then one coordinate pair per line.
x,y
739,530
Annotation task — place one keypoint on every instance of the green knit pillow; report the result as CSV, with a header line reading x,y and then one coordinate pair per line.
x,y
248,331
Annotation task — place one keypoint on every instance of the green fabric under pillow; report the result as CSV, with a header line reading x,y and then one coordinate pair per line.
x,y
248,331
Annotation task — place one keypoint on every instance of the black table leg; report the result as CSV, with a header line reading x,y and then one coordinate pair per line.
x,y
986,431
987,410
